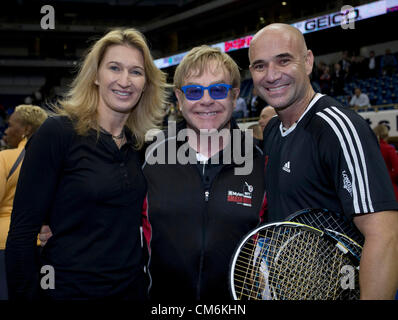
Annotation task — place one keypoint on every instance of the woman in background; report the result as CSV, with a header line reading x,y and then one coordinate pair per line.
x,y
82,176
23,122
389,154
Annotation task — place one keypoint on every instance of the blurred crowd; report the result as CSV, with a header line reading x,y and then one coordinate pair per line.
x,y
332,78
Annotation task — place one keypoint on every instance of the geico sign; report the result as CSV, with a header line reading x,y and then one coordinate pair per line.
x,y
330,20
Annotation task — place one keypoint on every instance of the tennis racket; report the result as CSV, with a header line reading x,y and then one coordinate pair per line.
x,y
325,219
292,261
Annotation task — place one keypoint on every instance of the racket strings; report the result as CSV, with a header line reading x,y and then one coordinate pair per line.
x,y
286,264
248,264
297,270
327,220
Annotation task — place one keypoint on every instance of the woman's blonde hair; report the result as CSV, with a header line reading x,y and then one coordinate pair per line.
x,y
196,61
31,115
80,103
381,132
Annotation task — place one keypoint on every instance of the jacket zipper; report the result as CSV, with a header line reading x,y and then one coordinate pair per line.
x,y
202,253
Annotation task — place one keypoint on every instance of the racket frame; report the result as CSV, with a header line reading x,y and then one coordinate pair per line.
x,y
326,234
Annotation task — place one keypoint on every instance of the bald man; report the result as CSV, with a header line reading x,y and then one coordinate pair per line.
x,y
321,154
265,116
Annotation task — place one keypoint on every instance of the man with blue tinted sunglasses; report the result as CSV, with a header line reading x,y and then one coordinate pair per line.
x,y
207,98
196,213
216,91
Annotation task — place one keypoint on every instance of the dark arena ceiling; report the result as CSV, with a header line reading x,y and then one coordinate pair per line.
x,y
171,26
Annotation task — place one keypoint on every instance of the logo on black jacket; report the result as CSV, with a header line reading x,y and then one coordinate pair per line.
x,y
243,198
346,182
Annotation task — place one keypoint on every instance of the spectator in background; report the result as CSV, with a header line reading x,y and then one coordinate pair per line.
x,y
265,116
317,72
256,104
371,65
241,110
25,120
345,64
338,80
388,63
359,99
325,80
389,154
357,69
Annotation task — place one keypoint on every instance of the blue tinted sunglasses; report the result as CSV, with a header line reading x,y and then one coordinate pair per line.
x,y
216,91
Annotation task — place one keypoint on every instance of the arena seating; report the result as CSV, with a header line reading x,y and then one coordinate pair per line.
x,y
381,91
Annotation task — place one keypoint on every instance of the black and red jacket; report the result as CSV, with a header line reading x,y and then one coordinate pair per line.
x,y
192,227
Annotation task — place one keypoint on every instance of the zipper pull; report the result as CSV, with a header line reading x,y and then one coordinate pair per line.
x,y
207,195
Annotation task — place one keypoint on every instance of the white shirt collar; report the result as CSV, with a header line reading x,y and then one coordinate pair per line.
x,y
284,131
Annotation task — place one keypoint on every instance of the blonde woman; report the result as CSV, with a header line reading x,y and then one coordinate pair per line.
x,y
23,122
82,176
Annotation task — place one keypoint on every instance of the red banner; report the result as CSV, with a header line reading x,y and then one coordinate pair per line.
x,y
237,44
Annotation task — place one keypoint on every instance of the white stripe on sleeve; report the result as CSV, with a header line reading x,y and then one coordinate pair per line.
x,y
347,158
358,171
361,154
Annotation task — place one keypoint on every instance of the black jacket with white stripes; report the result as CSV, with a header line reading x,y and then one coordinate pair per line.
x,y
193,225
329,159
